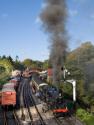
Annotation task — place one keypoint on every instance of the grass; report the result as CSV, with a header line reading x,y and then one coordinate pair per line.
x,y
85,117
90,121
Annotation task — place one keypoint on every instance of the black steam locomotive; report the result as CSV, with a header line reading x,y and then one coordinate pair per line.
x,y
54,100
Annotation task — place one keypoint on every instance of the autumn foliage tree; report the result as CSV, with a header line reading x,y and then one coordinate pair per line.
x,y
80,63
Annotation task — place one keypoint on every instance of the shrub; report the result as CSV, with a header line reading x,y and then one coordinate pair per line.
x,y
85,116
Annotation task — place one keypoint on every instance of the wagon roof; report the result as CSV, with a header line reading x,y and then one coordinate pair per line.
x,y
8,89
8,84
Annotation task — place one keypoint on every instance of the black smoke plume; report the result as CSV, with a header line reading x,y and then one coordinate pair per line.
x,y
54,17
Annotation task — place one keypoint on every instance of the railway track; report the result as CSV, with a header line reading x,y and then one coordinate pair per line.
x,y
29,102
42,122
65,121
23,101
58,121
5,119
10,118
19,95
71,120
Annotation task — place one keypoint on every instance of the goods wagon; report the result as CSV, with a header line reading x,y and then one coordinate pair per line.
x,y
8,97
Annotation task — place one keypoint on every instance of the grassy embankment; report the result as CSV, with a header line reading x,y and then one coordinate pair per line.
x,y
85,116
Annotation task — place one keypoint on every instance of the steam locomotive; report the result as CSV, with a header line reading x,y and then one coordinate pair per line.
x,y
53,99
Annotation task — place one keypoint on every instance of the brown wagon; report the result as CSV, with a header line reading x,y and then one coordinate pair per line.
x,y
8,97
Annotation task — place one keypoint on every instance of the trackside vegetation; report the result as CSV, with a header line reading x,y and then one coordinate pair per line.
x,y
85,116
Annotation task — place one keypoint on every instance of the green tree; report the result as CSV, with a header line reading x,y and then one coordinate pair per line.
x,y
17,58
81,55
27,63
4,57
81,65
47,64
10,58
18,65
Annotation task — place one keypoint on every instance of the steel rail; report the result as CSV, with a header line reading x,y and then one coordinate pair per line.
x,y
5,118
26,101
71,121
31,98
17,121
15,118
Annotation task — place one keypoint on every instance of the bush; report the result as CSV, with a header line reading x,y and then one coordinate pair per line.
x,y
4,78
85,116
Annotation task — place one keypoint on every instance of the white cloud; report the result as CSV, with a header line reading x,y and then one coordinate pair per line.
x,y
73,12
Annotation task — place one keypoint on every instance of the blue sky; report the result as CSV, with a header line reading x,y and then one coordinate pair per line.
x,y
21,32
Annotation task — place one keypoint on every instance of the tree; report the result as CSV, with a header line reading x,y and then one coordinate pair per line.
x,y
81,65
27,63
81,55
10,59
47,64
18,65
17,57
7,65
4,57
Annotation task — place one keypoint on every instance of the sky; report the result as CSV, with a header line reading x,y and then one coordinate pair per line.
x,y
22,34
